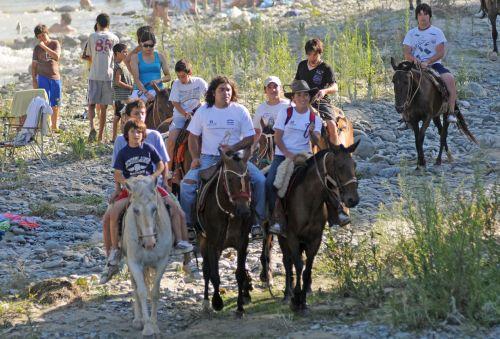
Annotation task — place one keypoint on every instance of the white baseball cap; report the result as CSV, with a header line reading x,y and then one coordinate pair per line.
x,y
274,79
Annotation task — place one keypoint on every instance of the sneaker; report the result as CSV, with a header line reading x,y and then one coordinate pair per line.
x,y
344,219
92,135
256,231
114,257
183,247
452,118
403,125
275,229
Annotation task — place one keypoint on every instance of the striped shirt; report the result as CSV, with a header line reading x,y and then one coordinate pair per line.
x,y
120,93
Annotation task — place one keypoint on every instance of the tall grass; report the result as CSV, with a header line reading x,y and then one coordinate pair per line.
x,y
250,55
437,250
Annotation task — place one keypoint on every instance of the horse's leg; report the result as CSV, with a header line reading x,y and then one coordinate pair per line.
x,y
437,122
206,277
241,277
494,33
155,294
311,252
266,274
296,258
142,292
213,256
417,144
137,322
287,264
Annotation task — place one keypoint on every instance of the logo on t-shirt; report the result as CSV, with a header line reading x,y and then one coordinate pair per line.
x,y
211,123
318,76
230,122
137,165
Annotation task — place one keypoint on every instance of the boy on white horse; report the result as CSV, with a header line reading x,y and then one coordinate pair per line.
x,y
136,110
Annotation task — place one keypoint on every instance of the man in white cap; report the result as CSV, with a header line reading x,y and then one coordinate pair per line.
x,y
268,110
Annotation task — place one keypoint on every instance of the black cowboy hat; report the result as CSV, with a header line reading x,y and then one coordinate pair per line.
x,y
300,86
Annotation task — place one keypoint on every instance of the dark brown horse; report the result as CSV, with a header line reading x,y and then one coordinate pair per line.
x,y
418,99
491,8
263,154
411,3
328,174
159,111
224,216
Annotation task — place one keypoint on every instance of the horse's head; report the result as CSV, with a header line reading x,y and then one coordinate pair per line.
x,y
162,107
342,168
402,80
237,182
144,202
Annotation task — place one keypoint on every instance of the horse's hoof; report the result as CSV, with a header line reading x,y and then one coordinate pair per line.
x,y
239,314
217,302
438,162
309,290
148,330
493,56
294,307
450,157
137,324
286,299
206,306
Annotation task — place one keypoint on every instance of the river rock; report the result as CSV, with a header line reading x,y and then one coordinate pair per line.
x,y
495,107
473,89
366,147
387,136
389,172
59,262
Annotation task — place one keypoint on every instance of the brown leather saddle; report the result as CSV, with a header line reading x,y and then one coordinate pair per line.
x,y
437,81
207,177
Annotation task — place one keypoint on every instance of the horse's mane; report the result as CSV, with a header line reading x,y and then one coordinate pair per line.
x,y
405,66
300,173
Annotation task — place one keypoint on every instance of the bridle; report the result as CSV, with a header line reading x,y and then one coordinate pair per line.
x,y
409,95
141,236
245,193
333,181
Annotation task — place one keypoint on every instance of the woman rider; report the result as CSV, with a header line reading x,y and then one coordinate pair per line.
x,y
146,67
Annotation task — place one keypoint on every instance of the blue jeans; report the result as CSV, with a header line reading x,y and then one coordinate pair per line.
x,y
271,175
188,190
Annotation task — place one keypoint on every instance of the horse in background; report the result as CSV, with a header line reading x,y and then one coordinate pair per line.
x,y
159,112
418,98
491,8
146,242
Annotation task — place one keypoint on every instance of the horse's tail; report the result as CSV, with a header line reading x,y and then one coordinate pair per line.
x,y
463,126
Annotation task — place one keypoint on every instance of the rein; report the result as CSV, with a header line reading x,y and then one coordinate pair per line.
x,y
409,96
244,193
335,182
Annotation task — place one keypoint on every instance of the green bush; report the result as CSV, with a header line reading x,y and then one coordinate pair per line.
x,y
435,252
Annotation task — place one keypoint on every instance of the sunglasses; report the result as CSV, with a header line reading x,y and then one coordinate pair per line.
x,y
148,45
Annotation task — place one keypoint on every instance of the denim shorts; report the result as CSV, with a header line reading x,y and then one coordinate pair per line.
x,y
177,123
438,67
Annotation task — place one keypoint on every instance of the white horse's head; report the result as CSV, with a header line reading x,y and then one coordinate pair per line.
x,y
144,203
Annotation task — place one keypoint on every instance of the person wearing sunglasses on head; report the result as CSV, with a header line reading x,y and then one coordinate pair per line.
x,y
146,67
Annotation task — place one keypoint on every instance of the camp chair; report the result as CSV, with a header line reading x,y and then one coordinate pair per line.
x,y
13,121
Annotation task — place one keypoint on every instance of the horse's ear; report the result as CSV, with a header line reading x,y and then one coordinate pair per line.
x,y
262,125
335,148
128,186
155,87
353,147
393,63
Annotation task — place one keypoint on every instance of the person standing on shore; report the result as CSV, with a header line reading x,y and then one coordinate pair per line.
x,y
45,69
100,88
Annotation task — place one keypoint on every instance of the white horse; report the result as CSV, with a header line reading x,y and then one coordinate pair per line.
x,y
147,242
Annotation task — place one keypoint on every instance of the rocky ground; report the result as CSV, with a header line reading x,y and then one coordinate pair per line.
x,y
70,195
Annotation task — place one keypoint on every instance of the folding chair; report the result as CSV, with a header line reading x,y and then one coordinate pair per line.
x,y
13,125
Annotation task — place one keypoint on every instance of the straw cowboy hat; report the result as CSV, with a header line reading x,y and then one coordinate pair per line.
x,y
300,86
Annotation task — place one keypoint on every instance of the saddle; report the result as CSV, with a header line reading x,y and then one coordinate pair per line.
x,y
437,81
207,176
181,144
287,173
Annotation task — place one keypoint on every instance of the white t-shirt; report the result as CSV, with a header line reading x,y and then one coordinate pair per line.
x,y
423,43
188,95
293,132
100,48
221,126
266,112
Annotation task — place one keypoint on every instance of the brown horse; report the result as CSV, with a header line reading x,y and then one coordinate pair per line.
x,y
159,111
263,155
418,99
181,158
328,174
411,3
224,218
491,8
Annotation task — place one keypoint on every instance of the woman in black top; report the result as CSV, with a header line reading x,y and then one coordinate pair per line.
x,y
320,75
